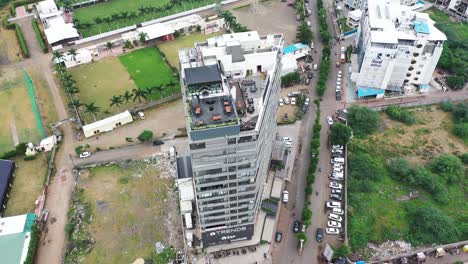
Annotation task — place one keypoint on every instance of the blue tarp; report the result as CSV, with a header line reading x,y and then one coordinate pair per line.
x,y
421,27
361,262
364,91
293,48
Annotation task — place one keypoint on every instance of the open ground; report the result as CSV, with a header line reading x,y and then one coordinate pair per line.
x,y
386,216
133,206
8,47
116,7
456,31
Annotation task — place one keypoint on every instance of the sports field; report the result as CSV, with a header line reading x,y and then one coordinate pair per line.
x,y
114,9
148,69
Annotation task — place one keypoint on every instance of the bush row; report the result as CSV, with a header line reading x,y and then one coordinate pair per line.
x,y
40,39
35,235
19,150
22,42
324,70
290,79
323,26
14,5
400,114
460,116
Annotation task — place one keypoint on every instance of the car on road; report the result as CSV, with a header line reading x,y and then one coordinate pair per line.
x,y
293,101
337,147
288,145
329,120
337,197
337,211
287,139
296,226
285,197
141,115
335,185
334,224
85,154
335,217
281,102
315,67
332,231
336,191
333,204
307,101
319,235
278,236
158,142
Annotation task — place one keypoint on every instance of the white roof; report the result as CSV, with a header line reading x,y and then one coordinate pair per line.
x,y
156,30
48,140
12,225
110,120
355,14
59,30
46,7
186,190
240,37
185,22
186,206
384,37
82,55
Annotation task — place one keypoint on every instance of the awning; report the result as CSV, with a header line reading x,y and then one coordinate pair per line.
x,y
364,91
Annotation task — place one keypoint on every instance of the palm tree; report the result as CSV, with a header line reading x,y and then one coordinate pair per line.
x,y
98,21
132,16
116,100
172,85
57,55
124,16
138,94
150,91
143,37
76,103
92,109
127,96
115,17
108,20
160,90
72,90
72,52
109,45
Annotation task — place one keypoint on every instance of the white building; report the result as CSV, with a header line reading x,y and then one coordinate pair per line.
x,y
15,237
107,124
362,4
57,31
354,18
457,8
47,144
397,47
231,86
82,56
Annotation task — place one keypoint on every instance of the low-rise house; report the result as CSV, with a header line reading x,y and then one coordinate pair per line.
x,y
15,238
107,124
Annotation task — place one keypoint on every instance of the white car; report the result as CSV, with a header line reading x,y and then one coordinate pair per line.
x,y
338,79
293,101
287,139
337,211
288,145
338,166
336,191
335,217
339,72
339,75
336,170
329,120
337,151
338,87
285,197
333,204
334,224
141,115
338,83
343,49
85,154
286,100
335,185
337,147
332,231
333,178
307,101
281,102
315,67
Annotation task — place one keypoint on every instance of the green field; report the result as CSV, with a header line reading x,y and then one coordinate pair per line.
x,y
171,48
148,69
130,206
382,213
116,7
455,31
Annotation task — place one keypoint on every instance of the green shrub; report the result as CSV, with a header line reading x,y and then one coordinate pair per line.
x,y
28,158
400,114
308,190
365,167
19,150
21,41
464,158
340,134
290,79
461,130
33,243
446,106
40,39
342,252
362,120
146,135
449,167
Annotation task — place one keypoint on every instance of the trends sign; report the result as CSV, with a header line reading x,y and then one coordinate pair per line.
x,y
227,235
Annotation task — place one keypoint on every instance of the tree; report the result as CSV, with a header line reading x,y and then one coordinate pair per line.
x,y
364,166
75,103
57,55
431,225
400,169
139,94
342,252
143,37
92,109
449,167
109,45
98,21
340,134
146,135
127,96
304,34
362,120
73,53
150,91
108,20
116,100
461,130
71,90
160,90
456,82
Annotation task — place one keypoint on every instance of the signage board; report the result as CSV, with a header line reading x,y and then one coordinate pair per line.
x,y
227,235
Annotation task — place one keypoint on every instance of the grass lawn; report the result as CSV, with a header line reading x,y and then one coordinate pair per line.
x,y
107,9
101,80
29,179
455,31
148,69
130,207
171,48
8,47
382,213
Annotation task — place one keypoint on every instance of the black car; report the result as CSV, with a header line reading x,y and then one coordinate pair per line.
x,y
338,95
297,226
310,75
278,236
336,197
158,142
319,235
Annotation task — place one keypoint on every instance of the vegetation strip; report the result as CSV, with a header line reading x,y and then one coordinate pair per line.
x,y
40,39
21,41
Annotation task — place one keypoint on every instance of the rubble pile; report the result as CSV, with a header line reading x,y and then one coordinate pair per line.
x,y
389,249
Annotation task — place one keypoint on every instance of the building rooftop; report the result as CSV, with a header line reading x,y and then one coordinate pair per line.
x,y
15,237
203,74
110,120
294,47
6,172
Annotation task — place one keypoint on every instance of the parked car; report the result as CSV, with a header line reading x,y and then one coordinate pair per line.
x,y
307,101
304,108
288,145
286,100
338,166
296,226
335,178
337,197
319,235
307,81
294,94
308,23
335,185
329,120
338,88
335,217
336,191
337,211
336,170
338,96
337,161
285,197
337,147
338,151
310,75
337,174
158,142
338,83
281,102
315,67
278,236
287,139
141,115
333,204
339,72
85,154
332,231
293,101
334,224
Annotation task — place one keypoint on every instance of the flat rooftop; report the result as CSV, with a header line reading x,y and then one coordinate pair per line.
x,y
212,111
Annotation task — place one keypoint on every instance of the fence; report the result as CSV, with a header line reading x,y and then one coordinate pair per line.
x,y
156,103
35,108
420,103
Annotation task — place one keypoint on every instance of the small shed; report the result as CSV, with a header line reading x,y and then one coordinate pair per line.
x,y
82,56
186,207
107,124
47,144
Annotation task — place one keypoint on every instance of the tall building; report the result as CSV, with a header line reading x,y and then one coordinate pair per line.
x,y
362,4
230,87
398,49
458,8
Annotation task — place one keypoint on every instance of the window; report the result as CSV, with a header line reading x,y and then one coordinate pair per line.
x,y
415,54
408,74
410,68
195,146
418,72
406,81
231,141
416,78
419,46
413,62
